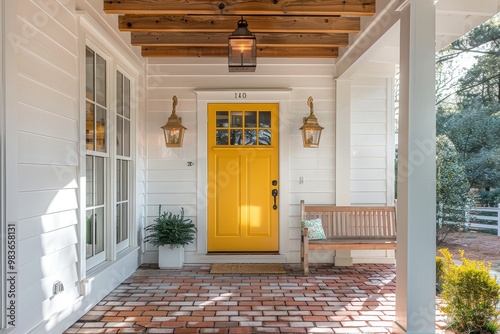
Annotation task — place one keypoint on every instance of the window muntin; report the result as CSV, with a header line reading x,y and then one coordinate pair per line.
x,y
243,128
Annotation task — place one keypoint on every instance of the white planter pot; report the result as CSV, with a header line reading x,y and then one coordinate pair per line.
x,y
170,258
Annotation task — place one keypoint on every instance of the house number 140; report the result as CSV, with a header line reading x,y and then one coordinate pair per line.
x,y
240,95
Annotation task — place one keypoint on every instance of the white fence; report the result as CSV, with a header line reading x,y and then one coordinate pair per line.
x,y
479,217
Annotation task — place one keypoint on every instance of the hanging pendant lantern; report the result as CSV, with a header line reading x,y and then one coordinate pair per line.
x,y
242,49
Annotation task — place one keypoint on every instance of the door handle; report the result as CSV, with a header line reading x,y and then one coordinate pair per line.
x,y
274,192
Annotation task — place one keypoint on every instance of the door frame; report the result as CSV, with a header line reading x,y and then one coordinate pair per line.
x,y
203,98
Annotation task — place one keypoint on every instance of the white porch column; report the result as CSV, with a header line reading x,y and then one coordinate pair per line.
x,y
415,270
343,156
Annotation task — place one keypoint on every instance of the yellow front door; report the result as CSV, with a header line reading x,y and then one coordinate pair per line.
x,y
243,177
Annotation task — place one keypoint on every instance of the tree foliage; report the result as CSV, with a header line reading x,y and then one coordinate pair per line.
x,y
452,188
468,110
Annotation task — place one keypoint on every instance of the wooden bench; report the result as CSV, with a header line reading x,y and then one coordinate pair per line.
x,y
349,228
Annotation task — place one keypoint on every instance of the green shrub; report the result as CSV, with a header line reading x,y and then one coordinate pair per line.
x,y
470,295
170,229
439,274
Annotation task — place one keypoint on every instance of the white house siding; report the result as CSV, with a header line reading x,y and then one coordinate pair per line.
x,y
372,150
372,141
43,47
173,184
43,156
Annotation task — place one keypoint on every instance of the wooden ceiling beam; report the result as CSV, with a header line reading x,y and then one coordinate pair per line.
x,y
227,24
238,7
262,52
221,39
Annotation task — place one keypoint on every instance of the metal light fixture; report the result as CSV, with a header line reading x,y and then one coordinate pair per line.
x,y
311,130
174,130
242,48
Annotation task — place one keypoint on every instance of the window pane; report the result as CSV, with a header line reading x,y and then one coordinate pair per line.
x,y
222,120
250,119
89,74
126,137
118,180
250,137
236,119
119,135
89,126
99,180
118,222
100,127
124,181
265,119
100,82
264,137
236,137
126,97
125,215
221,137
119,93
89,181
89,233
121,222
99,230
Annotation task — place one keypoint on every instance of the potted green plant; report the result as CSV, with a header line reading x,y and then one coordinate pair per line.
x,y
170,232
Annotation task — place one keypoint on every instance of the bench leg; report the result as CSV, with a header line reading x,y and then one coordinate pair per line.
x,y
304,250
343,258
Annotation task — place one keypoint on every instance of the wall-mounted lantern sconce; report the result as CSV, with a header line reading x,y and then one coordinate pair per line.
x,y
174,130
311,130
242,49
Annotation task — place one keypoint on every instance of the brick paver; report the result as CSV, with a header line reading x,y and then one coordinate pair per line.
x,y
358,299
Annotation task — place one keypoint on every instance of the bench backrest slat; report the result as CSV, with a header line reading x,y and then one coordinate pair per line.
x,y
370,222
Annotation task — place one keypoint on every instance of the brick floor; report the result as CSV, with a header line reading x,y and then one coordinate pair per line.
x,y
358,299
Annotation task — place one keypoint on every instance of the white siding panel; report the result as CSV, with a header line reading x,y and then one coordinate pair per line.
x,y
368,198
368,116
44,177
369,128
365,104
36,94
46,223
45,202
313,198
44,150
32,272
171,199
33,67
49,50
361,93
46,123
47,243
309,175
317,163
311,186
36,21
368,151
358,174
172,175
368,140
252,82
369,163
365,185
172,187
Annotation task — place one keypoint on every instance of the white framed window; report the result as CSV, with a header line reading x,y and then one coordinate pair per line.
x,y
97,155
109,88
123,161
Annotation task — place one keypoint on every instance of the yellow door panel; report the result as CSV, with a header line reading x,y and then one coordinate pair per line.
x,y
242,173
